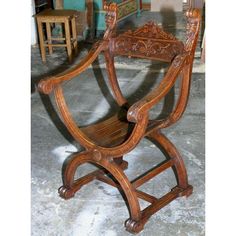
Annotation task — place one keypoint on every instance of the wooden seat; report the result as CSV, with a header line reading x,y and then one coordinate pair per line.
x,y
111,132
67,18
107,141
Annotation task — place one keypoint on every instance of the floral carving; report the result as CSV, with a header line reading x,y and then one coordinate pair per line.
x,y
151,30
106,142
149,47
148,41
162,50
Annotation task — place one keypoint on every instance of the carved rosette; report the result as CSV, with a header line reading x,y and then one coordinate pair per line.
x,y
149,41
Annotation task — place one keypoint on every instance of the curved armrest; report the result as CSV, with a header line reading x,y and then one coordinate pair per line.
x,y
47,85
141,108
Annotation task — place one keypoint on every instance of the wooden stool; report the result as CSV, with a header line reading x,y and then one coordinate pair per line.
x,y
67,17
107,141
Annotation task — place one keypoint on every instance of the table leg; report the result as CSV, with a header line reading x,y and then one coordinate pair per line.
x,y
68,40
74,35
41,40
49,36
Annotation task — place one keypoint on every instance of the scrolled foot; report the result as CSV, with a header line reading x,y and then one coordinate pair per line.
x,y
133,227
66,192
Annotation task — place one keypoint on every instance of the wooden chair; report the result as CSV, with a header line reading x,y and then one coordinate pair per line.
x,y
108,141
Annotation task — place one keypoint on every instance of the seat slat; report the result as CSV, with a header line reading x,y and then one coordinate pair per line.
x,y
112,131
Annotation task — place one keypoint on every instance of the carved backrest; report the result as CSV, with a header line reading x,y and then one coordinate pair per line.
x,y
150,41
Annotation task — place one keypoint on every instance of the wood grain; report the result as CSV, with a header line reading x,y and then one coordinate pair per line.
x,y
106,142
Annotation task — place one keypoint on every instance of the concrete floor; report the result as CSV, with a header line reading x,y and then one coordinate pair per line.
x,y
98,209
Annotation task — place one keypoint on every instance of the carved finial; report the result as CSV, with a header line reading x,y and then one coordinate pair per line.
x,y
111,18
193,12
193,25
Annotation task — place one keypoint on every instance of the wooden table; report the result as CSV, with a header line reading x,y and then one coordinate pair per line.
x,y
67,18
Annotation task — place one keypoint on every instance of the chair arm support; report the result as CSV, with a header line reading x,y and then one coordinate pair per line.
x,y
48,84
142,107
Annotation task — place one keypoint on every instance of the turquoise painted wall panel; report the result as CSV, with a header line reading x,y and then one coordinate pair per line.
x,y
97,4
100,13
100,21
75,4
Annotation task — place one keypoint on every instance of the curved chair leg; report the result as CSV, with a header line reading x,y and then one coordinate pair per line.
x,y
115,169
132,224
70,187
179,168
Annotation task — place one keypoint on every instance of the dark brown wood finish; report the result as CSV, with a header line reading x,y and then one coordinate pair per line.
x,y
149,42
108,141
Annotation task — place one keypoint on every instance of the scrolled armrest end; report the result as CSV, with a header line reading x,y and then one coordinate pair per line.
x,y
45,86
135,112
